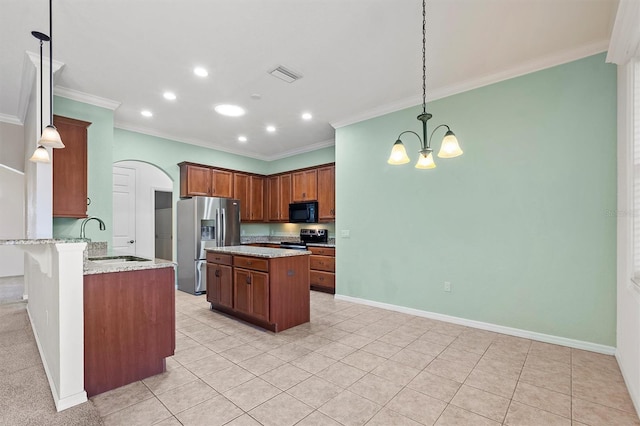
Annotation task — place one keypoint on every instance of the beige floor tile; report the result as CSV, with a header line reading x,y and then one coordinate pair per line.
x,y
241,353
243,420
171,421
289,352
228,378
386,417
313,362
607,389
455,416
333,333
281,410
417,406
336,350
315,391
460,356
499,385
435,386
375,388
313,342
398,338
350,409
184,342
500,366
382,349
594,361
435,337
143,413
341,374
412,358
355,340
286,376
261,364
208,365
480,402
251,394
214,412
449,369
552,352
395,372
363,360
544,399
317,419
122,397
186,396
449,328
596,414
426,347
224,344
169,380
546,364
547,379
524,415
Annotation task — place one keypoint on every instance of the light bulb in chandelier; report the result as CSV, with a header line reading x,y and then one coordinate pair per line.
x,y
50,137
398,154
425,160
450,147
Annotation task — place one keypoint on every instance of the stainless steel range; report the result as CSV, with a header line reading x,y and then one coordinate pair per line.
x,y
307,236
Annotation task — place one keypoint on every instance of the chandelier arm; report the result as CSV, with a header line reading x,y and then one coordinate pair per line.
x,y
434,130
410,131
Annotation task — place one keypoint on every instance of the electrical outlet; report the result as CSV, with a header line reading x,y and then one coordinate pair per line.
x,y
447,286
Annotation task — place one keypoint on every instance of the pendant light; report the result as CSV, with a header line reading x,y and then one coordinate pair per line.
x,y
40,155
449,148
50,136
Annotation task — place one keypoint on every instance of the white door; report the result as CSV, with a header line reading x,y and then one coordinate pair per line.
x,y
124,210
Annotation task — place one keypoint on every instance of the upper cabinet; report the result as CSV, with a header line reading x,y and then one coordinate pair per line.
x,y
279,195
327,193
305,185
70,169
197,180
249,189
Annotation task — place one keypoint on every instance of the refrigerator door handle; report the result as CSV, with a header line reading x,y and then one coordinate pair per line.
x,y
217,227
201,276
224,228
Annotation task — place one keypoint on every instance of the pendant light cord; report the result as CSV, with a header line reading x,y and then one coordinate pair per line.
x,y
50,63
40,86
424,56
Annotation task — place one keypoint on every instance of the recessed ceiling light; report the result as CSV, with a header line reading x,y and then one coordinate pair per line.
x,y
200,72
242,138
146,113
169,96
271,129
306,116
230,110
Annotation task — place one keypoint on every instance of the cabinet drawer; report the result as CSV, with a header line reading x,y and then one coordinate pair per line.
x,y
323,251
322,279
323,263
223,259
254,263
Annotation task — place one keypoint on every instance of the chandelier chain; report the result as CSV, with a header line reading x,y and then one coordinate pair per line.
x,y
424,56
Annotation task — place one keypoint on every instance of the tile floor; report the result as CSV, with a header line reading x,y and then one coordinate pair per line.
x,y
356,365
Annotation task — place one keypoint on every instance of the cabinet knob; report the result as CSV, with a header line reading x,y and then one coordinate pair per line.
x,y
248,279
132,241
217,272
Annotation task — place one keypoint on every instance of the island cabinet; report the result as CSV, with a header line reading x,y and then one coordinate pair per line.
x,y
271,292
70,169
323,269
305,185
129,326
198,180
327,194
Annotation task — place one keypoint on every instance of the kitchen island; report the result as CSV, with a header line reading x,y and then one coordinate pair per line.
x,y
268,287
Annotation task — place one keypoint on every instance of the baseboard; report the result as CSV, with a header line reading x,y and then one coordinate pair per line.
x,y
60,403
541,337
635,398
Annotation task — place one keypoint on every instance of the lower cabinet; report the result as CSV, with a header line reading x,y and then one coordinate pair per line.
x,y
323,267
272,293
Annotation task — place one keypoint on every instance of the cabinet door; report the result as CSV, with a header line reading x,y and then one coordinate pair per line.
x,y
225,295
241,192
198,181
242,290
305,185
256,197
213,295
70,169
260,295
273,190
221,183
285,197
326,193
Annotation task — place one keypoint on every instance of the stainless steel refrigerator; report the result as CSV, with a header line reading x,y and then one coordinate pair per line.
x,y
203,222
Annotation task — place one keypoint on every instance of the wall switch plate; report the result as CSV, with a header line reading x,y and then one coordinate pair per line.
x,y
447,286
345,233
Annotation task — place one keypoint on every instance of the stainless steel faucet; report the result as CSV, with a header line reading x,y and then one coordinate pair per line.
x,y
84,223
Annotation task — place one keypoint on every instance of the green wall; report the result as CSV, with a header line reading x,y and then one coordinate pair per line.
x,y
99,160
300,161
521,224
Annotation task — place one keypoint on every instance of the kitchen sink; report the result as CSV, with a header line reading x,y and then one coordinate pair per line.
x,y
106,260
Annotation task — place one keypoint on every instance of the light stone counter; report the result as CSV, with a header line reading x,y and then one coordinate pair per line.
x,y
91,267
258,251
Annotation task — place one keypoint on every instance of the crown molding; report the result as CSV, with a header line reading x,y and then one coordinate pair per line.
x,y
475,83
29,66
11,119
301,150
76,95
625,37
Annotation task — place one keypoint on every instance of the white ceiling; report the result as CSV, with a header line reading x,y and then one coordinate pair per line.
x,y
358,58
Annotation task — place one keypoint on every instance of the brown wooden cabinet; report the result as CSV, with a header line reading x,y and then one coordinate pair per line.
x,y
249,189
219,279
279,189
327,194
251,293
70,169
322,269
198,180
221,183
305,185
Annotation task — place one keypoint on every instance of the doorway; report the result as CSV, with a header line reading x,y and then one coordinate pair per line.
x,y
163,224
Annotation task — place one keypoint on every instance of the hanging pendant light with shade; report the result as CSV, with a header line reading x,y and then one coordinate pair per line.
x,y
449,148
40,155
50,136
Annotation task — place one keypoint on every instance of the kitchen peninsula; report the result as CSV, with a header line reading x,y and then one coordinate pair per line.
x,y
268,287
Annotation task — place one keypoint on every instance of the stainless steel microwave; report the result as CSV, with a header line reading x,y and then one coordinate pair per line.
x,y
303,212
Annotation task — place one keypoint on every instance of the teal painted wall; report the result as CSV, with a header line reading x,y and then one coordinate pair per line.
x,y
300,161
521,224
99,160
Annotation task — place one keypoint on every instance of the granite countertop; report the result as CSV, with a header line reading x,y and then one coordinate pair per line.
x,y
267,252
33,241
278,240
91,267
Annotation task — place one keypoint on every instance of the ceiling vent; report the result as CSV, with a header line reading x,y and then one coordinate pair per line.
x,y
285,74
